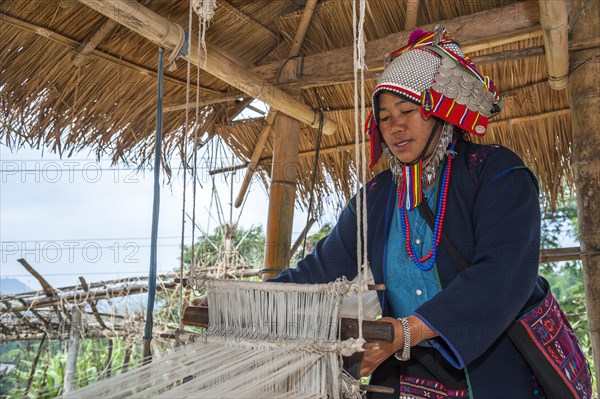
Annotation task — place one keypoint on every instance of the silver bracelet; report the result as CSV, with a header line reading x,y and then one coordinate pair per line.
x,y
405,354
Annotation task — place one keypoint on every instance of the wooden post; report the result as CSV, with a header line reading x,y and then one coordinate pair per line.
x,y
585,121
282,195
554,18
74,338
282,192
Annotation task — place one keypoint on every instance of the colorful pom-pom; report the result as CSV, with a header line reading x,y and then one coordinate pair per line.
x,y
415,35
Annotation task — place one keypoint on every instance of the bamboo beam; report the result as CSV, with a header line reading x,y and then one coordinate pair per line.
x,y
215,99
309,9
163,32
258,148
554,19
480,30
412,9
86,48
585,97
73,44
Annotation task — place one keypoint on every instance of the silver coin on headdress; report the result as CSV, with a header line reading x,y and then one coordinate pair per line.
x,y
437,86
451,91
485,110
441,79
463,100
488,96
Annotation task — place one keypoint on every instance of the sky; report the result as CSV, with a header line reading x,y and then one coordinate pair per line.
x,y
79,217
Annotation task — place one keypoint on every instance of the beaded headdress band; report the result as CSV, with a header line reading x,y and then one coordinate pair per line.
x,y
432,71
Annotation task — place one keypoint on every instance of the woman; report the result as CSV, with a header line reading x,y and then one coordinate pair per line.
x,y
449,324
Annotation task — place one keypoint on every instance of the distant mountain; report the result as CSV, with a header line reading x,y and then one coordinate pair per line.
x,y
13,286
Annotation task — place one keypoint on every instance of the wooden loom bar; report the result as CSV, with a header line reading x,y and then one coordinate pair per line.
x,y
373,331
161,31
555,22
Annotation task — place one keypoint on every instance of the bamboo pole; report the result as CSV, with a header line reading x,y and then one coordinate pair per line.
x,y
585,121
165,33
215,99
74,338
86,48
554,19
260,144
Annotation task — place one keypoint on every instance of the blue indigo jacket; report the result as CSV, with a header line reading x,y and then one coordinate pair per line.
x,y
493,219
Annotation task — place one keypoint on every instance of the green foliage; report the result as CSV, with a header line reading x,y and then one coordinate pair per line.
x,y
311,243
249,245
47,381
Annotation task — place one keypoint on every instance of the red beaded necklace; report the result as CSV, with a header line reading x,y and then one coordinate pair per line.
x,y
439,219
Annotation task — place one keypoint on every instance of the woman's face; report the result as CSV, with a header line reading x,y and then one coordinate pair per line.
x,y
404,129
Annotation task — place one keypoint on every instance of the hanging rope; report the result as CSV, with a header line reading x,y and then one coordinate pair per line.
x,y
360,156
183,303
155,211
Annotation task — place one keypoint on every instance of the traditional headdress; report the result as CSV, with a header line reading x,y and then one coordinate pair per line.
x,y
432,71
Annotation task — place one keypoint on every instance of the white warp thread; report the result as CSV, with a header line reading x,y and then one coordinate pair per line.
x,y
265,340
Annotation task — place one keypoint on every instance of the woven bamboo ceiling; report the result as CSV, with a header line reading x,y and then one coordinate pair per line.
x,y
71,78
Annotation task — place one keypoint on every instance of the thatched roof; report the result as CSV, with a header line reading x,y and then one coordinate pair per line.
x,y
106,101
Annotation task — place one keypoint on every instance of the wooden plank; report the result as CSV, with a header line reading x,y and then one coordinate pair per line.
x,y
560,254
480,30
163,32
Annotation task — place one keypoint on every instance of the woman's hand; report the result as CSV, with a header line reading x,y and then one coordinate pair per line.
x,y
375,354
